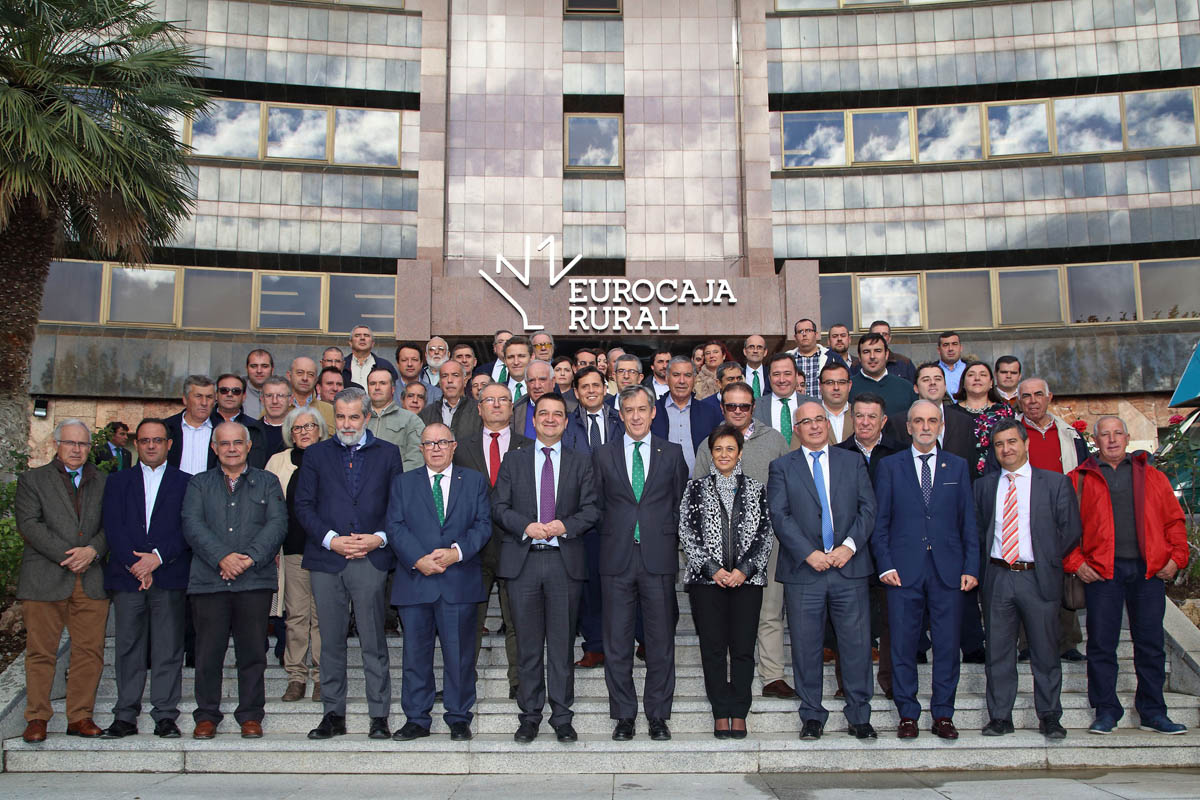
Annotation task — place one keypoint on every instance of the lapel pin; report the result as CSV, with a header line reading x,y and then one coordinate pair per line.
x,y
942,465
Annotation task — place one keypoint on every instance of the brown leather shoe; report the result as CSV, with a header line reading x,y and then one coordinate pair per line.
x,y
875,655
295,691
590,661
827,655
205,730
908,729
944,728
251,729
85,728
779,689
35,731
316,695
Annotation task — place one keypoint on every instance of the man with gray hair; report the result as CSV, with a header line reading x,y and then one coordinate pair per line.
x,y
277,402
679,416
539,380
61,584
437,352
191,429
542,345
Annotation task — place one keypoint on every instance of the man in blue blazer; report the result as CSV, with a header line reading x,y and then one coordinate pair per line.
x,y
679,417
926,548
823,510
341,502
147,576
439,519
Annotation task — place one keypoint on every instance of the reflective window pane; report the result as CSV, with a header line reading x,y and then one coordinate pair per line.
x,y
959,299
297,132
816,139
1088,124
1160,119
593,141
804,5
1029,297
1017,129
896,298
949,133
837,302
72,292
1170,289
362,136
362,300
217,298
1101,292
610,6
290,302
230,128
881,136
142,295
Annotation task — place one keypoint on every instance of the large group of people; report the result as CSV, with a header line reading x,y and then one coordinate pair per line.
x,y
880,509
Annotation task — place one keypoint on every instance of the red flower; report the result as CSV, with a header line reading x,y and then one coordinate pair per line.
x,y
1175,419
1080,425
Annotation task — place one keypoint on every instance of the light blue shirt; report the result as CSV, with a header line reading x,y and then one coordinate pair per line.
x,y
679,422
539,459
953,375
825,470
628,442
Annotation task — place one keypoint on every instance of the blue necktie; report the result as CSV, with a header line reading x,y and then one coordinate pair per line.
x,y
826,512
926,478
593,432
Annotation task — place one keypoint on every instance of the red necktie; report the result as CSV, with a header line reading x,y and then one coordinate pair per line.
x,y
494,459
1010,541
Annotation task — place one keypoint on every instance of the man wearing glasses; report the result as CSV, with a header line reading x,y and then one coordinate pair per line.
x,y
231,389
57,510
835,392
811,357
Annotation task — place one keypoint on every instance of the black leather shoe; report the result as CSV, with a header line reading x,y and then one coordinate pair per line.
x,y
410,731
998,727
512,693
379,729
460,731
864,731
1023,655
526,733
922,657
623,732
566,733
331,725
437,696
1051,729
119,730
167,729
974,657
659,731
1073,655
811,731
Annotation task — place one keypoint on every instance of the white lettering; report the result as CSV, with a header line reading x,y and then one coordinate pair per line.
x,y
710,283
578,285
726,291
645,318
621,290
663,326
689,288
596,298
578,317
647,286
621,316
673,285
600,326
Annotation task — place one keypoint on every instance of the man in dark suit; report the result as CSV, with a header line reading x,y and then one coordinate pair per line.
x,y
115,450
439,518
926,548
823,511
539,380
957,436
589,426
679,417
1028,521
496,368
640,478
455,409
341,501
545,501
147,577
482,451
784,394
190,431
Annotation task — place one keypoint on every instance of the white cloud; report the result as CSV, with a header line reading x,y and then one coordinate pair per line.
x,y
296,132
229,129
949,133
1017,129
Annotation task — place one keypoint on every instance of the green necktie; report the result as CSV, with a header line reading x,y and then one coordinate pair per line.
x,y
785,420
639,483
437,499
74,473
517,398
757,386
503,375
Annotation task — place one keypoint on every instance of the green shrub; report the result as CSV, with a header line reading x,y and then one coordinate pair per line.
x,y
11,543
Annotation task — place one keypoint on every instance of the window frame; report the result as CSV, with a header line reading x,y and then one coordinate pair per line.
x,y
571,168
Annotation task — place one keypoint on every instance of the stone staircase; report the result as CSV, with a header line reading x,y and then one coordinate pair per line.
x,y
772,746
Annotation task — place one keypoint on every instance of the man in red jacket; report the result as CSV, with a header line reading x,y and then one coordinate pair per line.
x,y
1134,541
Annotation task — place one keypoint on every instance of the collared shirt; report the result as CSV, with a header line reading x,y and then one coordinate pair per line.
x,y
1024,535
196,441
233,483
1120,496
659,388
444,488
825,470
448,411
359,370
430,376
810,368
539,460
512,387
679,421
764,385
916,456
866,451
645,451
597,417
1045,448
307,400
837,421
777,410
151,480
953,375
863,372
497,368
503,442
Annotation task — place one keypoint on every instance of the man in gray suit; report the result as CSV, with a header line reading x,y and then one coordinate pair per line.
x,y
57,509
823,510
1028,520
545,500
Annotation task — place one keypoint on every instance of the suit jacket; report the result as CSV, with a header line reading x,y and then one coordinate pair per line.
x,y
464,421
576,436
883,448
521,413
52,519
324,501
904,528
382,363
414,531
957,436
796,513
704,418
125,528
469,454
657,513
259,451
762,407
1054,525
576,505
123,458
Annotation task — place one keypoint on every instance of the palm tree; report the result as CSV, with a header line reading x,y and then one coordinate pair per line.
x,y
89,90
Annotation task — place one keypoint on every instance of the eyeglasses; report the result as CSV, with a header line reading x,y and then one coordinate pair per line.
x,y
436,349
832,382
156,440
738,406
233,390
806,330
440,444
810,421
629,372
305,428
70,443
496,401
275,396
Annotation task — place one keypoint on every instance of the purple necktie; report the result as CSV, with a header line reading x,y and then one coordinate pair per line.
x,y
546,506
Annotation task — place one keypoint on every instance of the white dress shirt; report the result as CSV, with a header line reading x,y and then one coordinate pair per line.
x,y
764,385
645,451
837,421
497,368
601,424
151,480
444,488
512,387
504,441
196,442
808,459
1024,535
539,459
777,410
916,455
360,371
659,388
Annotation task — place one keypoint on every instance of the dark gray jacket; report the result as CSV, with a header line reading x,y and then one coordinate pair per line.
x,y
251,521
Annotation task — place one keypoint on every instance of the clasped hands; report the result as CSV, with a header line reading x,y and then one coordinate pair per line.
x,y
545,530
79,559
143,569
1087,574
437,562
729,579
835,558
966,582
354,545
233,565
